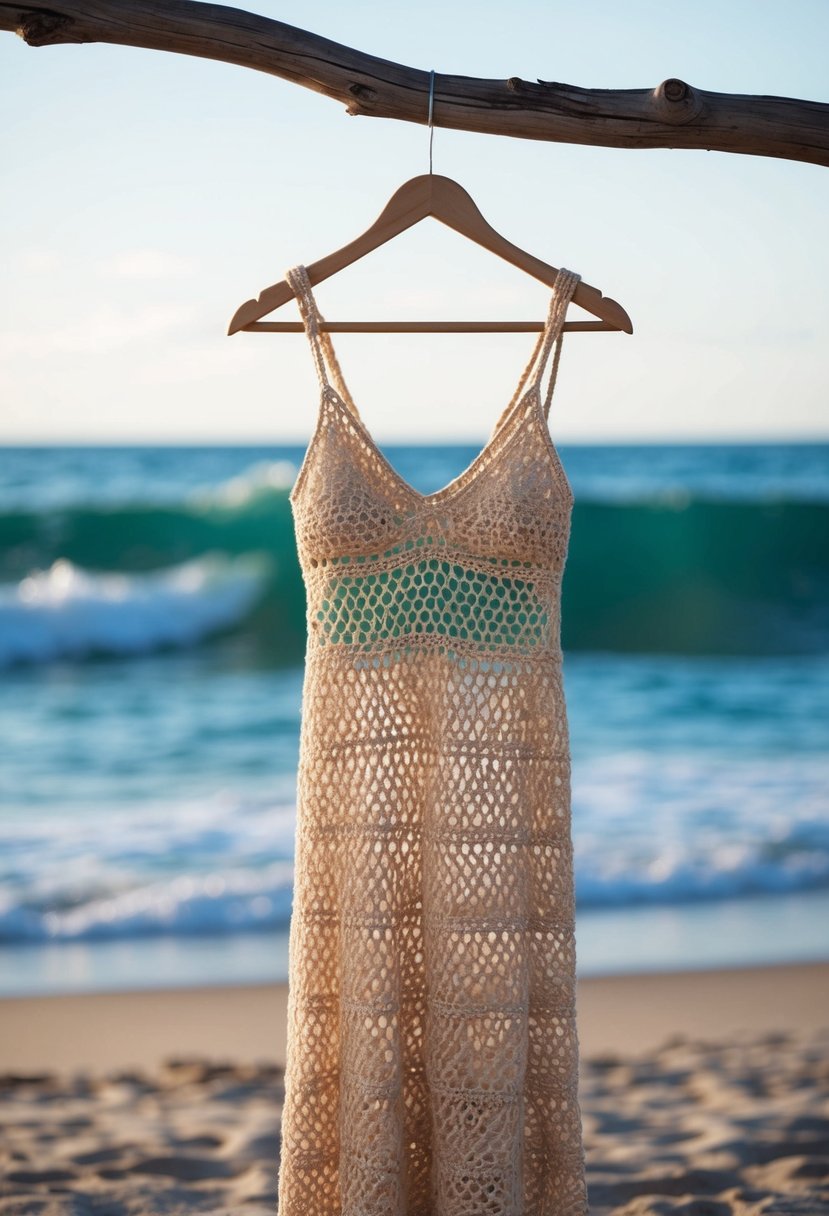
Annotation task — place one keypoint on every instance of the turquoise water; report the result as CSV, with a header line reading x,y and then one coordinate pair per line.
x,y
151,646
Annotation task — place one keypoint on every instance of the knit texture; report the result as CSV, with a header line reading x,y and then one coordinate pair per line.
x,y
432,1064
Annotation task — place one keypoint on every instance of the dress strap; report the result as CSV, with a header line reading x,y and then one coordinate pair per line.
x,y
563,290
321,345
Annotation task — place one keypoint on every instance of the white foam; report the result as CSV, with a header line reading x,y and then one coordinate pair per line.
x,y
671,827
66,611
264,477
106,873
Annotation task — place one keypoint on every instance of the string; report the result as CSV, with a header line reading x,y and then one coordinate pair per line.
x,y
431,112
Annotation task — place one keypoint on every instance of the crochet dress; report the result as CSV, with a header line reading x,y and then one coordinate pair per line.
x,y
432,1064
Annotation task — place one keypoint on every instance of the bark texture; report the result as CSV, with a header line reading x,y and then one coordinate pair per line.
x,y
671,115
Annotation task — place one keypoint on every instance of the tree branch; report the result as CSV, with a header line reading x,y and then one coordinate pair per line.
x,y
673,115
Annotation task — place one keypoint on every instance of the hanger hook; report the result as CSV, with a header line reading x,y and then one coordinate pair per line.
x,y
431,112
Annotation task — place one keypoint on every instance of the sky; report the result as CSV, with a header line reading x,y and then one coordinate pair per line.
x,y
144,196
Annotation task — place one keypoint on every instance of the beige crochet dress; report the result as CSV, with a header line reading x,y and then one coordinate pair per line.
x,y
432,1048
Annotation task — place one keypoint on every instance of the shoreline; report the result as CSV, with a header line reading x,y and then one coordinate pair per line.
x,y
629,1013
757,930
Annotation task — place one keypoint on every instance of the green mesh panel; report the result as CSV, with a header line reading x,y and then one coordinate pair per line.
x,y
432,596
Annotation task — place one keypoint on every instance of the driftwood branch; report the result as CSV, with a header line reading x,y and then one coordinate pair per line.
x,y
673,115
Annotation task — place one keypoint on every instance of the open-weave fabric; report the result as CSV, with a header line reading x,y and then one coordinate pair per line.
x,y
432,1064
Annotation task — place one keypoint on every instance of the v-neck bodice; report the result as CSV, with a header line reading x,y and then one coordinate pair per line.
x,y
525,406
510,508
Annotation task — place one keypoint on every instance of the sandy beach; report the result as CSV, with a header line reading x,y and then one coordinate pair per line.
x,y
702,1093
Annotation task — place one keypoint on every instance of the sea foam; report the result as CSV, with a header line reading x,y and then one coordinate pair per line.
x,y
66,611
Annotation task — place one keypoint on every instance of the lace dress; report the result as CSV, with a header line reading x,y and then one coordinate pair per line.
x,y
432,1064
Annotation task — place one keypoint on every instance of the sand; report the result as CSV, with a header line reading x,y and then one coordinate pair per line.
x,y
702,1093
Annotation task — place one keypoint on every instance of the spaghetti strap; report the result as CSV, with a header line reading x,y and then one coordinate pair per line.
x,y
321,345
553,332
565,286
325,357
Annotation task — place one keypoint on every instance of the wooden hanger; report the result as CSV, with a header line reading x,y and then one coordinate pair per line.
x,y
445,200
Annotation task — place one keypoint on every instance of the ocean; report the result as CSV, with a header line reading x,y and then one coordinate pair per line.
x,y
152,636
